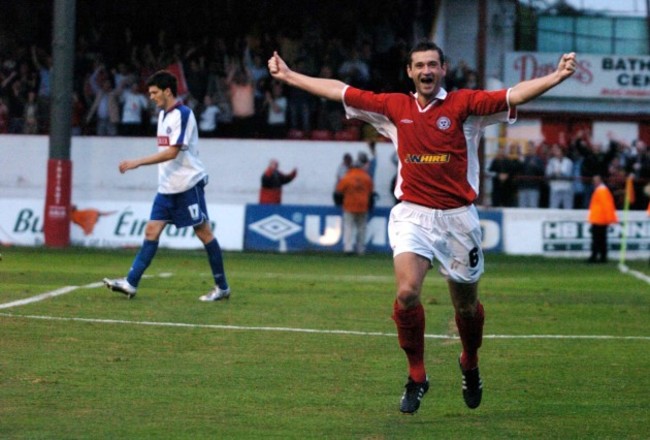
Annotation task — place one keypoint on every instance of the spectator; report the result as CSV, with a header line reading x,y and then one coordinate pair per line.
x,y
276,111
559,171
356,188
218,91
458,76
105,108
595,161
260,77
344,167
503,170
354,70
122,76
16,103
196,77
369,165
639,167
242,100
616,181
301,105
31,114
208,114
602,213
272,182
134,106
529,179
78,112
43,63
329,115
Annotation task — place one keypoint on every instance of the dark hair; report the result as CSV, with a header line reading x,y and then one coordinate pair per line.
x,y
424,46
163,79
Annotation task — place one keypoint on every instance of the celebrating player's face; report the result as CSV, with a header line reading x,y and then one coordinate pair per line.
x,y
427,72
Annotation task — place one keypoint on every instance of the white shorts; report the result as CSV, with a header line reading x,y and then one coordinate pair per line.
x,y
451,236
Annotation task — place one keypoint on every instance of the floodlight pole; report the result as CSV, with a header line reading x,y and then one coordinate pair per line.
x,y
56,225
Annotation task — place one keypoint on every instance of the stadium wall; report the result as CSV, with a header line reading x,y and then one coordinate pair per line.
x,y
235,168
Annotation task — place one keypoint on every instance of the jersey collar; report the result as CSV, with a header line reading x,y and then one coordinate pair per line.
x,y
442,94
173,107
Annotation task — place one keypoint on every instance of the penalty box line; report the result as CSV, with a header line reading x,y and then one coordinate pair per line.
x,y
309,331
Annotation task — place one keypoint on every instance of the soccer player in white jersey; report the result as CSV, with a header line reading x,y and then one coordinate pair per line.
x,y
181,179
436,136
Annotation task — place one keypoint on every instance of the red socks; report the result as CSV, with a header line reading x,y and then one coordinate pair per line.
x,y
410,333
470,331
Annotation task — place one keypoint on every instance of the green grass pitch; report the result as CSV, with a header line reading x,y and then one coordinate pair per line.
x,y
305,349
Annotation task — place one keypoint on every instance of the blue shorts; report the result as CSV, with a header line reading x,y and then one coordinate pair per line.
x,y
182,209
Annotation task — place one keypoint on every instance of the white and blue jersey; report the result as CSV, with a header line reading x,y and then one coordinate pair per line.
x,y
178,127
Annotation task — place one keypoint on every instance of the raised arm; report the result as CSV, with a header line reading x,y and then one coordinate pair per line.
x,y
324,87
528,90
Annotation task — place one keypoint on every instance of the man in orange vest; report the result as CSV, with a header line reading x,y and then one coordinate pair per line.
x,y
356,187
602,213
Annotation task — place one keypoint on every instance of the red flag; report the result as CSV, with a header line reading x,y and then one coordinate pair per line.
x,y
177,70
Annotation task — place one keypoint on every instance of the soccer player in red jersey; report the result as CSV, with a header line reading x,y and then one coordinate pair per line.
x,y
436,136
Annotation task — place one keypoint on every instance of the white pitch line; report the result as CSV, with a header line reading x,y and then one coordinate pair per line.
x,y
635,273
63,291
308,330
41,297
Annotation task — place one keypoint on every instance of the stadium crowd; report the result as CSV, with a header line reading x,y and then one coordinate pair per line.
x,y
561,175
227,84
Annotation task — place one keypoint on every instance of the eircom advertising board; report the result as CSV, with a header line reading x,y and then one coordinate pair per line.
x,y
277,228
289,228
110,224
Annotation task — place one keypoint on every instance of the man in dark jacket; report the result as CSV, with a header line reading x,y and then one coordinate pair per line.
x,y
272,181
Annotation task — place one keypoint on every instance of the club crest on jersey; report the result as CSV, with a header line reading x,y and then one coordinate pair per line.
x,y
443,123
163,141
426,158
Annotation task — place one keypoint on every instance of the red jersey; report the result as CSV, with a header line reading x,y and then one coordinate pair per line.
x,y
437,146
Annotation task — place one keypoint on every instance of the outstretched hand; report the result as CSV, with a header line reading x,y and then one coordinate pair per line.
x,y
327,88
567,65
